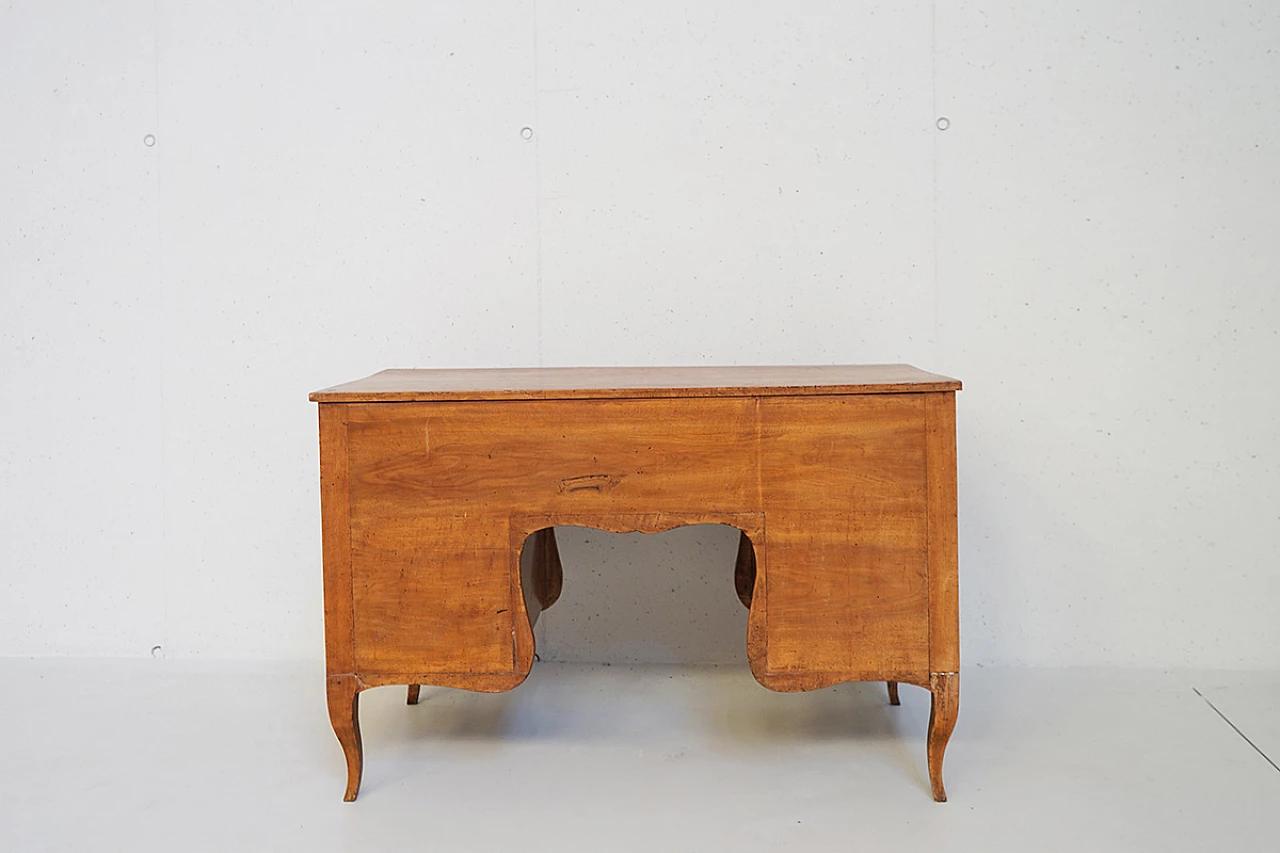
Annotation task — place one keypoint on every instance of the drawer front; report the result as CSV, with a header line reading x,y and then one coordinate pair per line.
x,y
572,456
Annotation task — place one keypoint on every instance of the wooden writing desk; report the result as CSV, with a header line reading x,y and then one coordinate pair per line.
x,y
440,491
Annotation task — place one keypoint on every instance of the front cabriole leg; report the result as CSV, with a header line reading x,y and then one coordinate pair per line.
x,y
945,687
344,714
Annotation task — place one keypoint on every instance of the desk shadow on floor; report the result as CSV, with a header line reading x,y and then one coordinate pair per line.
x,y
717,710
587,703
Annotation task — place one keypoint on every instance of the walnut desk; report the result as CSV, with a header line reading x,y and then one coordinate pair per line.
x,y
441,489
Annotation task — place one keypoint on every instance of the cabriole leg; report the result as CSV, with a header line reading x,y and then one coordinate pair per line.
x,y
344,714
945,687
893,692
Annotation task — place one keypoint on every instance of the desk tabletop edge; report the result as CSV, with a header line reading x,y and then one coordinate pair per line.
x,y
613,383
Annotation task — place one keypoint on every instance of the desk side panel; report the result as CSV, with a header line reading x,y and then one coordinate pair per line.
x,y
335,517
944,570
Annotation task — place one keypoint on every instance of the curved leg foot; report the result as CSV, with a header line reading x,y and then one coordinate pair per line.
x,y
344,714
945,687
413,694
893,692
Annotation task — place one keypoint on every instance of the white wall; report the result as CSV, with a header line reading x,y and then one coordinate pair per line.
x,y
1091,246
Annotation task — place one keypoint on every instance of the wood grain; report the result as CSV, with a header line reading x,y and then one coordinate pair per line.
x,y
438,610
565,383
434,486
335,509
473,464
843,480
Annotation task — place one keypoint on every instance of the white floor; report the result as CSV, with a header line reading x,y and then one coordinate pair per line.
x,y
159,755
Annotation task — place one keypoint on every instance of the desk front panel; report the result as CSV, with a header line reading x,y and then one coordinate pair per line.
x,y
842,589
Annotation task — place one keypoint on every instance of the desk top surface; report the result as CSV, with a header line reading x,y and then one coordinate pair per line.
x,y
565,383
